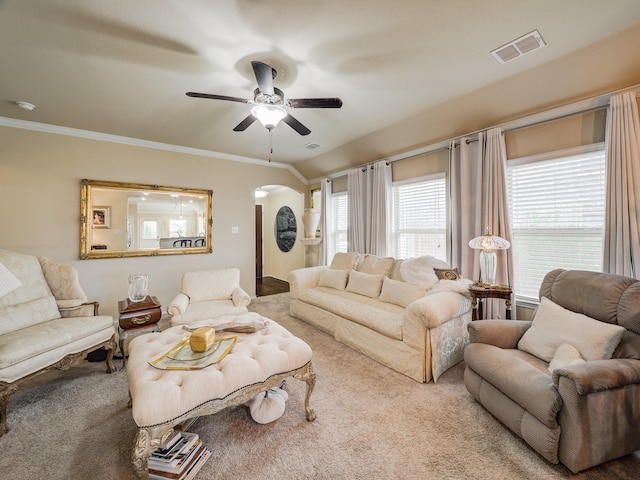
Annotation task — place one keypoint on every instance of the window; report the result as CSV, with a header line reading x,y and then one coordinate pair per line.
x,y
340,218
557,205
419,220
149,230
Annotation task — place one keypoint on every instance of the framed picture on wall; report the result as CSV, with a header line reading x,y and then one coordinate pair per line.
x,y
101,217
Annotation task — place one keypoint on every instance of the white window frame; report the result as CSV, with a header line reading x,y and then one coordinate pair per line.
x,y
440,230
531,263
337,241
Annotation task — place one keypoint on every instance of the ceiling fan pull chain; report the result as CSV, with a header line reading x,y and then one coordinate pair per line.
x,y
270,147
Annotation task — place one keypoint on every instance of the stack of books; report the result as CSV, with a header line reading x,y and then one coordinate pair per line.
x,y
180,458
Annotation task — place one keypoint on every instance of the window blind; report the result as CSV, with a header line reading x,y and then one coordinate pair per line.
x,y
557,217
340,218
419,219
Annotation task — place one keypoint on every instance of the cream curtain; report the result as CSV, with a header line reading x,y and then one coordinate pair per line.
x,y
495,211
465,159
369,190
478,201
326,221
622,215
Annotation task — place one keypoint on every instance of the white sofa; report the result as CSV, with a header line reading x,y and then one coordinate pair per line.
x,y
208,294
398,312
45,322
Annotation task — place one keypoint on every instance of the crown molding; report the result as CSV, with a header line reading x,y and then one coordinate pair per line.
x,y
137,142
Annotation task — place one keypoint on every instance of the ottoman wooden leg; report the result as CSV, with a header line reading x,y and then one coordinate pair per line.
x,y
148,440
309,376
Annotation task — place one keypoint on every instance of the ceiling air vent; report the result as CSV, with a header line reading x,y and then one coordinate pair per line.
x,y
519,47
311,146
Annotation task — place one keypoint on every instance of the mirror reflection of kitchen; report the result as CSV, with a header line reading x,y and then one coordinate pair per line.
x,y
143,220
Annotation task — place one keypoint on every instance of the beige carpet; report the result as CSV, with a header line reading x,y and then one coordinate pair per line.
x,y
372,423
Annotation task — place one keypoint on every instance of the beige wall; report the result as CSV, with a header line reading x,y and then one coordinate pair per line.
x,y
574,131
276,262
40,177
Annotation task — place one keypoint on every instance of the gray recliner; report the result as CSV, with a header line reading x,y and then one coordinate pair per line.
x,y
581,414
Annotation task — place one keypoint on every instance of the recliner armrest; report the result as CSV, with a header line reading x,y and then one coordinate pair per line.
x,y
240,298
178,305
500,333
599,375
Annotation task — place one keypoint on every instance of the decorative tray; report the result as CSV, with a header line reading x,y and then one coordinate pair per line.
x,y
181,357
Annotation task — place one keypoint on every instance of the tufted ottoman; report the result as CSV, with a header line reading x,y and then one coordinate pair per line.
x,y
162,399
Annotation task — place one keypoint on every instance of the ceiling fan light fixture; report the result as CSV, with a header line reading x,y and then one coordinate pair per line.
x,y
269,115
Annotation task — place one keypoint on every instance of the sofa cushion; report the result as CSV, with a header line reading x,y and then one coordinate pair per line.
x,y
374,265
384,318
210,284
19,346
27,269
333,278
364,283
553,325
206,310
63,281
23,315
344,261
565,355
400,293
8,281
520,376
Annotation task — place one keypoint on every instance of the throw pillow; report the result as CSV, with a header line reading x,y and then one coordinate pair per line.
x,y
8,281
447,273
400,293
344,261
554,325
333,278
565,355
364,283
374,265
629,346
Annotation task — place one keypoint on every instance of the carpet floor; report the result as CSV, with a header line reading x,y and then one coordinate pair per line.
x,y
372,423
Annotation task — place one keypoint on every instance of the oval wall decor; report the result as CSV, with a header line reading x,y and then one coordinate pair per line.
x,y
285,229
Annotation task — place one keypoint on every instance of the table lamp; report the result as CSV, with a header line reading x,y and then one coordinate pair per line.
x,y
488,244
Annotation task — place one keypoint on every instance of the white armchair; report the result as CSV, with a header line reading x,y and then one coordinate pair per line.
x,y
207,294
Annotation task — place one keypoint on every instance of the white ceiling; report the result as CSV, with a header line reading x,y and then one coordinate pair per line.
x,y
122,67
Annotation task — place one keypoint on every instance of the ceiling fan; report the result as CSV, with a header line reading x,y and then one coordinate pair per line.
x,y
269,102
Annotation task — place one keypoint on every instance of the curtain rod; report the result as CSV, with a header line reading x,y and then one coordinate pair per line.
x,y
564,111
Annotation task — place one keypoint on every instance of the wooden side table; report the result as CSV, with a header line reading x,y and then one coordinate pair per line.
x,y
135,319
480,291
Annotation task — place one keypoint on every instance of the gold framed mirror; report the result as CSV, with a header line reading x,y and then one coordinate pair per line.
x,y
136,220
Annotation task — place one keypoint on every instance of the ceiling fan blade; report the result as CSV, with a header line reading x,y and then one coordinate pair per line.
x,y
315,102
217,97
296,125
244,124
264,75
